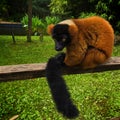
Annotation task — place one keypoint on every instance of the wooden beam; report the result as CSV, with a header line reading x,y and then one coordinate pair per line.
x,y
30,71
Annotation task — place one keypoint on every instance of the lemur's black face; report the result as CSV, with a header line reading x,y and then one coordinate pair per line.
x,y
61,36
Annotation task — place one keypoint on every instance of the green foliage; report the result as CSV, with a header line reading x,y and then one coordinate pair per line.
x,y
68,8
102,6
3,8
85,15
14,10
41,8
77,6
89,14
50,20
58,6
107,9
103,9
39,25
97,95
118,26
24,21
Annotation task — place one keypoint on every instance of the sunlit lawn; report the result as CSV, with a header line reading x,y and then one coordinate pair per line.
x,y
97,95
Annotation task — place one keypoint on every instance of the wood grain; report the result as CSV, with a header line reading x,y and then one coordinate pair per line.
x,y
30,71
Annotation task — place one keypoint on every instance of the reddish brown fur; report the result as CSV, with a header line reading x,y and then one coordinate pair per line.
x,y
94,31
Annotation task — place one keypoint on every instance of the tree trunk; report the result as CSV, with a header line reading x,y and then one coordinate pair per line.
x,y
29,32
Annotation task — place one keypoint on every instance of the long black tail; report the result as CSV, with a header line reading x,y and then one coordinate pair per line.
x,y
59,90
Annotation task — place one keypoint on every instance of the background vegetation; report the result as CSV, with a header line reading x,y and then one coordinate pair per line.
x,y
14,10
106,9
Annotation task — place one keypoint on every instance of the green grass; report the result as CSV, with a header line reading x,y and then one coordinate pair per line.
x,y
97,95
24,52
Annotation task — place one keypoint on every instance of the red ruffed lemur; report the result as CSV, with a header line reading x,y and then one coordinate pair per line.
x,y
88,42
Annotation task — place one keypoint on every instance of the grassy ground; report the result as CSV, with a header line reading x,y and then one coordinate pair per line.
x,y
96,95
24,52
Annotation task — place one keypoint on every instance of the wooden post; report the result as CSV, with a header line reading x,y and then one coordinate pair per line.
x,y
29,32
13,37
41,37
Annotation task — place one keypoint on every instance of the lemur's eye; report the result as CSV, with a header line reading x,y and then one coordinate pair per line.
x,y
64,37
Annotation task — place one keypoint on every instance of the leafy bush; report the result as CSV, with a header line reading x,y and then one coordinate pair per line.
x,y
50,20
86,14
54,20
37,24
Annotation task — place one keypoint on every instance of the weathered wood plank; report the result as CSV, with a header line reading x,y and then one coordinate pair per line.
x,y
29,71
7,28
22,71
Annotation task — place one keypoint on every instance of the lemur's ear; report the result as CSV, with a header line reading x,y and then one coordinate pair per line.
x,y
73,30
50,28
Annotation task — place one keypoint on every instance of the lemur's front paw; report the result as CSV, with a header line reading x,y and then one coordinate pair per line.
x,y
60,58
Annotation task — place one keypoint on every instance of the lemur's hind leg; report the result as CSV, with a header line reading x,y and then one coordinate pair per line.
x,y
93,58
